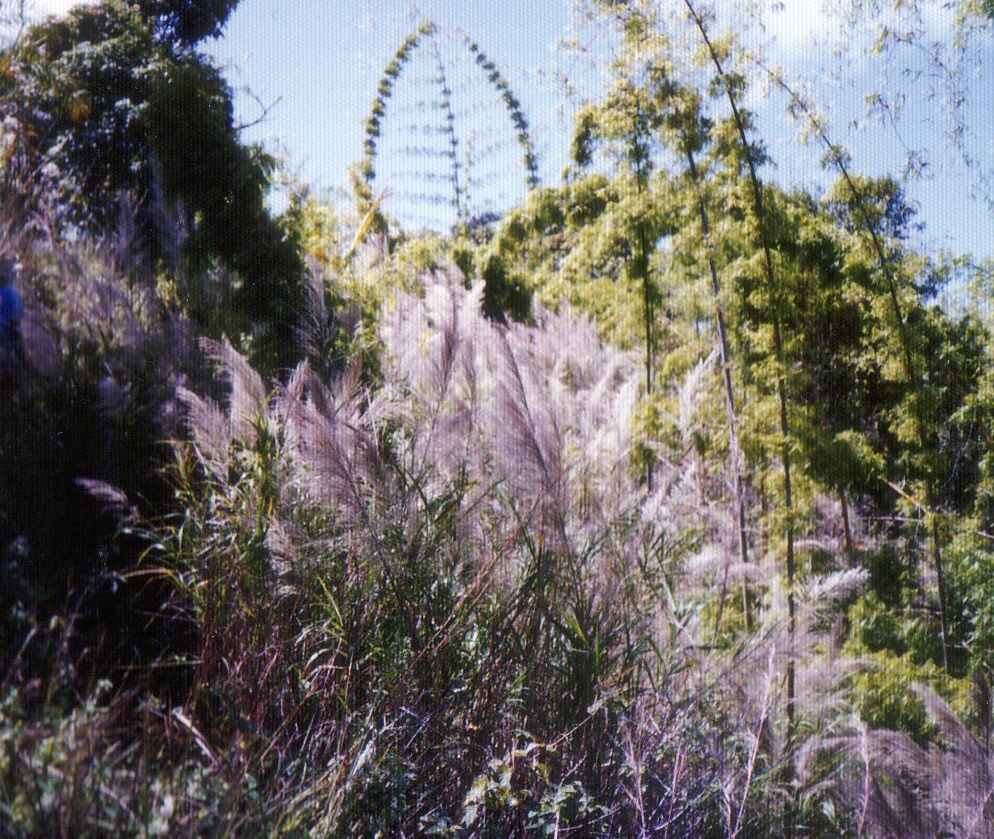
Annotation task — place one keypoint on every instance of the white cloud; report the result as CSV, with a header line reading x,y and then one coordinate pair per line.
x,y
800,25
797,24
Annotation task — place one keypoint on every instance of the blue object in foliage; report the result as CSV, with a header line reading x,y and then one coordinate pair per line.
x,y
10,305
11,351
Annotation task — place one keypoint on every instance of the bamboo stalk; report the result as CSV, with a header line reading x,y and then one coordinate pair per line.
x,y
726,371
914,380
776,293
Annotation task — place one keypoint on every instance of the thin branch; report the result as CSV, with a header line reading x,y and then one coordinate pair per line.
x,y
264,108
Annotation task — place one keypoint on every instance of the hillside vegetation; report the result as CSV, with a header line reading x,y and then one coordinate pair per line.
x,y
660,505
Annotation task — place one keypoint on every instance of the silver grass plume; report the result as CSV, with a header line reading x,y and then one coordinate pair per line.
x,y
335,457
214,429
209,430
541,414
246,390
898,789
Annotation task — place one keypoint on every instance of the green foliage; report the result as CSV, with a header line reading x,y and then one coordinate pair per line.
x,y
874,627
83,84
123,130
221,186
59,776
897,651
503,296
884,698
971,563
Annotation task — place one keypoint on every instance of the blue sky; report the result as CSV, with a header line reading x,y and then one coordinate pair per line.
x,y
317,64
323,61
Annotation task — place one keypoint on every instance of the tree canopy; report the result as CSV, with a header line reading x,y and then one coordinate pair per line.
x,y
184,23
123,122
